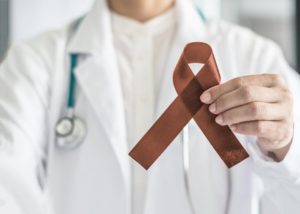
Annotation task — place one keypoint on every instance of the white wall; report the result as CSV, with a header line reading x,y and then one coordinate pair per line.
x,y
274,19
271,18
31,17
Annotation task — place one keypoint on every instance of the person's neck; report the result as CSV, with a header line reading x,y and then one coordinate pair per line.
x,y
140,10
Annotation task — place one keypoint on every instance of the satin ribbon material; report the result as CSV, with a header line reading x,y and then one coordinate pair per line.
x,y
187,106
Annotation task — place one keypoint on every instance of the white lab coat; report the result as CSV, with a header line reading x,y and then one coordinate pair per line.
x,y
36,177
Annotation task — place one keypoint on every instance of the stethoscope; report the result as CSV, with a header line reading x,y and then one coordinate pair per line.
x,y
70,130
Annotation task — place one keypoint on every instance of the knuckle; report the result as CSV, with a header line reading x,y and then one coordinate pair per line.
x,y
287,103
217,92
227,117
257,110
289,97
240,82
277,79
260,127
214,92
220,104
254,109
247,93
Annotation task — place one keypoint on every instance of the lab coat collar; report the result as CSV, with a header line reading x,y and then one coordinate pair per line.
x,y
91,33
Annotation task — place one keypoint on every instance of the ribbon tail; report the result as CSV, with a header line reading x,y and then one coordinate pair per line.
x,y
221,138
161,134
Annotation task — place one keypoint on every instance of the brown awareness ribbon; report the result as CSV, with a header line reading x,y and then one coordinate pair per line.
x,y
186,106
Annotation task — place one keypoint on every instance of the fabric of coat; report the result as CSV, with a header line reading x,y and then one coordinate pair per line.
x,y
36,177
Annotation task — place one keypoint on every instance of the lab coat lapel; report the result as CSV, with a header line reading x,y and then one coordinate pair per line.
x,y
101,85
98,78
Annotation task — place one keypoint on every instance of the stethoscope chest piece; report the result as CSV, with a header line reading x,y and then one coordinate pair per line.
x,y
70,132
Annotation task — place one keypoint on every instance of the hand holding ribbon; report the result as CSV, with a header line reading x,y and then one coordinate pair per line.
x,y
186,106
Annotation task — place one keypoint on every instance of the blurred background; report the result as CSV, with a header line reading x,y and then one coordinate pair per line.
x,y
275,19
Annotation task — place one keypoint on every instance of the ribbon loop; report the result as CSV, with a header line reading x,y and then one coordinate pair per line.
x,y
188,106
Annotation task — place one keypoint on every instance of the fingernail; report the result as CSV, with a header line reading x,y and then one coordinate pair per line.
x,y
206,97
212,108
219,120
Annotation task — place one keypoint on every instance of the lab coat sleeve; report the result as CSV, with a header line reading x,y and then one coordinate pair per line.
x,y
272,61
24,92
281,179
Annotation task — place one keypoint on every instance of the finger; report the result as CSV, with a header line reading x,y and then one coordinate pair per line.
x,y
244,95
266,80
269,134
264,129
251,112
